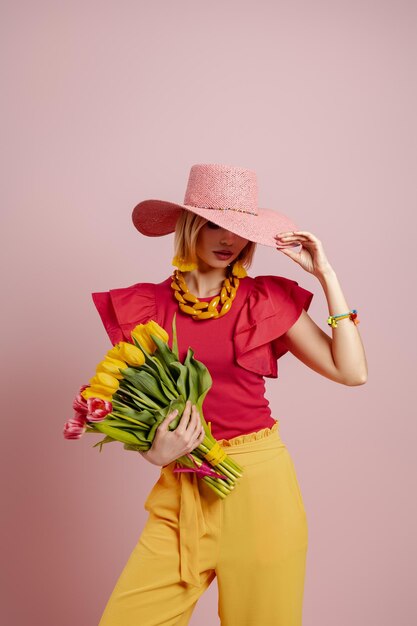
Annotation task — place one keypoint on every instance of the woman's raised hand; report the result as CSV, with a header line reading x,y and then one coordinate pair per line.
x,y
169,445
311,257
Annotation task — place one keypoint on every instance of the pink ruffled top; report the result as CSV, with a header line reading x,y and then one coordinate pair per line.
x,y
239,349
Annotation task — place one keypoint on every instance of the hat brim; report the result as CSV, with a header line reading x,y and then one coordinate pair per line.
x,y
155,218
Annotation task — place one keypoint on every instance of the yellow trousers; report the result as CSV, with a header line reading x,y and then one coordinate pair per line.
x,y
254,541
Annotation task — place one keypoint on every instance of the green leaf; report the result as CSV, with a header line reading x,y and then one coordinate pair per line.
x,y
162,373
179,404
163,351
146,420
165,374
168,393
174,337
137,428
151,434
146,384
203,377
200,379
138,448
142,417
116,433
103,441
192,390
128,395
142,398
182,377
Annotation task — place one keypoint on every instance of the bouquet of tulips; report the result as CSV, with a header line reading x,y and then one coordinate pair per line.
x,y
135,387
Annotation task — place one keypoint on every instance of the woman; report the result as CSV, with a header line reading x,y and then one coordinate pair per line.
x,y
254,540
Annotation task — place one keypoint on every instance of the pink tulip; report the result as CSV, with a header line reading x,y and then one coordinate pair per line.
x,y
98,409
75,427
80,404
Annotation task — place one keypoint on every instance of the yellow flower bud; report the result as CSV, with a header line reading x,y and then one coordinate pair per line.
x,y
114,353
155,329
96,392
131,354
142,333
142,337
111,366
104,380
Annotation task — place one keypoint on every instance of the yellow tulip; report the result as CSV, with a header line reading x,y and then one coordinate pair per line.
x,y
131,354
155,329
96,392
114,352
111,366
142,333
101,390
106,381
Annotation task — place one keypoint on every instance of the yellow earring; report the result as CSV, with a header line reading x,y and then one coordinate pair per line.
x,y
183,265
238,270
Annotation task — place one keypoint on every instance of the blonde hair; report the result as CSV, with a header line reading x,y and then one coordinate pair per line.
x,y
187,228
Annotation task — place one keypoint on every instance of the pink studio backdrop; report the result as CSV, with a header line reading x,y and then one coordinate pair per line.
x,y
105,104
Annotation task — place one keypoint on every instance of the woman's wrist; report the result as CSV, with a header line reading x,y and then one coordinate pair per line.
x,y
327,275
149,455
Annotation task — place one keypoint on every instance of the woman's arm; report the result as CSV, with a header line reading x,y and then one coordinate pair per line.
x,y
341,357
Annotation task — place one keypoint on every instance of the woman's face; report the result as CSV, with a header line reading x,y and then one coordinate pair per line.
x,y
212,239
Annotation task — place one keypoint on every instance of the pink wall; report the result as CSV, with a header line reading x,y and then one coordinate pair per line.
x,y
108,103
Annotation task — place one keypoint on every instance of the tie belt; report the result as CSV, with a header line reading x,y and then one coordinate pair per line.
x,y
192,523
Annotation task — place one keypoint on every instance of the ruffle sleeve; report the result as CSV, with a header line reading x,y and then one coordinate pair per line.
x,y
273,305
122,309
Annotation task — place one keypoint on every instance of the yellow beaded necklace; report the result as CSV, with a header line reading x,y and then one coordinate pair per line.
x,y
189,303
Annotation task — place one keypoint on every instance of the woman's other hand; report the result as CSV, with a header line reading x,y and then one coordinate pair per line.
x,y
311,257
169,445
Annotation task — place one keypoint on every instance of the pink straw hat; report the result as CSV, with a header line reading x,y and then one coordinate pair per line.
x,y
225,195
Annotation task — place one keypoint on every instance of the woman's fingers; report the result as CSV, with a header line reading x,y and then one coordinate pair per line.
x,y
199,439
197,420
196,429
199,433
183,423
193,423
190,418
290,237
190,427
302,235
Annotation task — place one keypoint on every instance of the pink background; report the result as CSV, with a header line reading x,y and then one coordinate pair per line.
x,y
108,103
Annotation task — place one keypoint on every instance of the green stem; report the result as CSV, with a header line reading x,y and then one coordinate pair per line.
x,y
214,487
217,483
227,466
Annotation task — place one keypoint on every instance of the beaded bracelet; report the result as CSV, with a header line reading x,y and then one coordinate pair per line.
x,y
353,315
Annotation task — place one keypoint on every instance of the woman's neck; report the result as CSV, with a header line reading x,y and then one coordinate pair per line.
x,y
204,283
